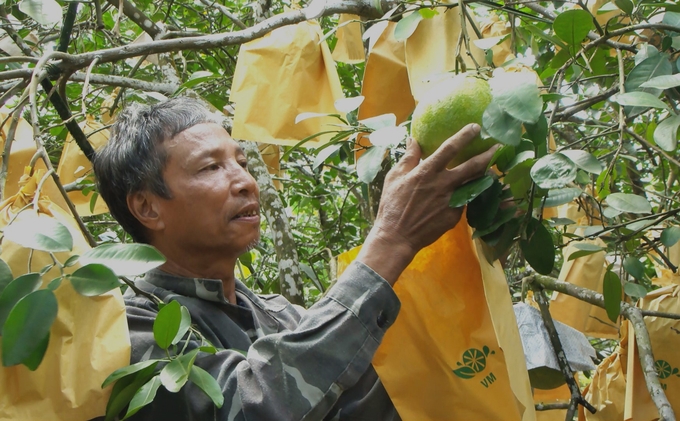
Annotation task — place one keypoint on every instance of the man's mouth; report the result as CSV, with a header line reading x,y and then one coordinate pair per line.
x,y
247,214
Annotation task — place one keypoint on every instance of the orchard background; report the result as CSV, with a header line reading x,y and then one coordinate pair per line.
x,y
590,155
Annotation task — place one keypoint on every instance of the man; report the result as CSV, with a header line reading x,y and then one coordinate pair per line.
x,y
173,177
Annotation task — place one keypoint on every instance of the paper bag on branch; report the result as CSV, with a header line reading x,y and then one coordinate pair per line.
x,y
431,50
385,87
454,352
541,360
88,340
23,149
285,73
665,341
586,272
349,47
74,165
607,389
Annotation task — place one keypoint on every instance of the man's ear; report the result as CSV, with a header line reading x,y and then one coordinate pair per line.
x,y
145,206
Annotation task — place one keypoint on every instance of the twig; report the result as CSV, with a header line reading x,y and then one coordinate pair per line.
x,y
86,86
550,406
225,12
16,115
576,397
641,336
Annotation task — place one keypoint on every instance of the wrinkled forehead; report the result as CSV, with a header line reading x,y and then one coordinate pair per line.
x,y
201,140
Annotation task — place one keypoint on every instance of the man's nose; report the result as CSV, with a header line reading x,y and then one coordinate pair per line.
x,y
245,183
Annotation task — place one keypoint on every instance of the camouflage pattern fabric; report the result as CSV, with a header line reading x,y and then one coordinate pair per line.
x,y
300,364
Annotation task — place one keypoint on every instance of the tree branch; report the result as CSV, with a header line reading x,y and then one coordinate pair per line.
x,y
138,17
576,397
634,315
226,12
366,8
126,82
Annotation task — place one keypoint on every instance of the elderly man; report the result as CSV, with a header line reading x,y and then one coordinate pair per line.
x,y
174,178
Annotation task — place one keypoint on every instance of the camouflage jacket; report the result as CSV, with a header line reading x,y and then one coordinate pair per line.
x,y
300,364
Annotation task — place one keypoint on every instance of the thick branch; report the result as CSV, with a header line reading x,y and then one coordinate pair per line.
x,y
366,8
634,315
126,82
290,276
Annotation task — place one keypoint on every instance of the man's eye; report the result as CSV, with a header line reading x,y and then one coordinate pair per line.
x,y
211,167
243,164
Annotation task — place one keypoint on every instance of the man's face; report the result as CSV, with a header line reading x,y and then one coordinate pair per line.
x,y
215,200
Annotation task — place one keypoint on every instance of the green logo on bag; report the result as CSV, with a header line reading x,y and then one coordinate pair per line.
x,y
474,361
664,371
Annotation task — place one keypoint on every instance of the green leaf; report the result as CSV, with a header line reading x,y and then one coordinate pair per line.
x,y
197,78
124,259
94,279
305,116
538,133
502,217
126,371
167,324
39,232
27,325
519,179
32,362
627,6
5,276
517,95
634,290
634,267
388,137
557,197
625,202
176,373
584,249
670,236
15,291
663,82
428,13
538,247
465,193
144,396
612,295
666,133
639,99
184,325
540,33
124,390
652,65
380,121
347,105
207,384
584,160
501,126
45,12
370,163
573,26
553,171
407,26
482,209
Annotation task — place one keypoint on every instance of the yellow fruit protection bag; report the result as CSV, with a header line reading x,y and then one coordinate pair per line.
x,y
454,352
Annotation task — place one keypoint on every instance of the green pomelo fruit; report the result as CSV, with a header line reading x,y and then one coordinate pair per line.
x,y
449,106
545,378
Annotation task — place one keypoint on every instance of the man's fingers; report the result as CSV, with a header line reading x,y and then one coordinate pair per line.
x,y
473,168
453,145
412,156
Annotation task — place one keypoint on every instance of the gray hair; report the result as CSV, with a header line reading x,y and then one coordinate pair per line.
x,y
133,159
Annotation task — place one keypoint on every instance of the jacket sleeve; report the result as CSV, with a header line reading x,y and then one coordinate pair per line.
x,y
291,375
